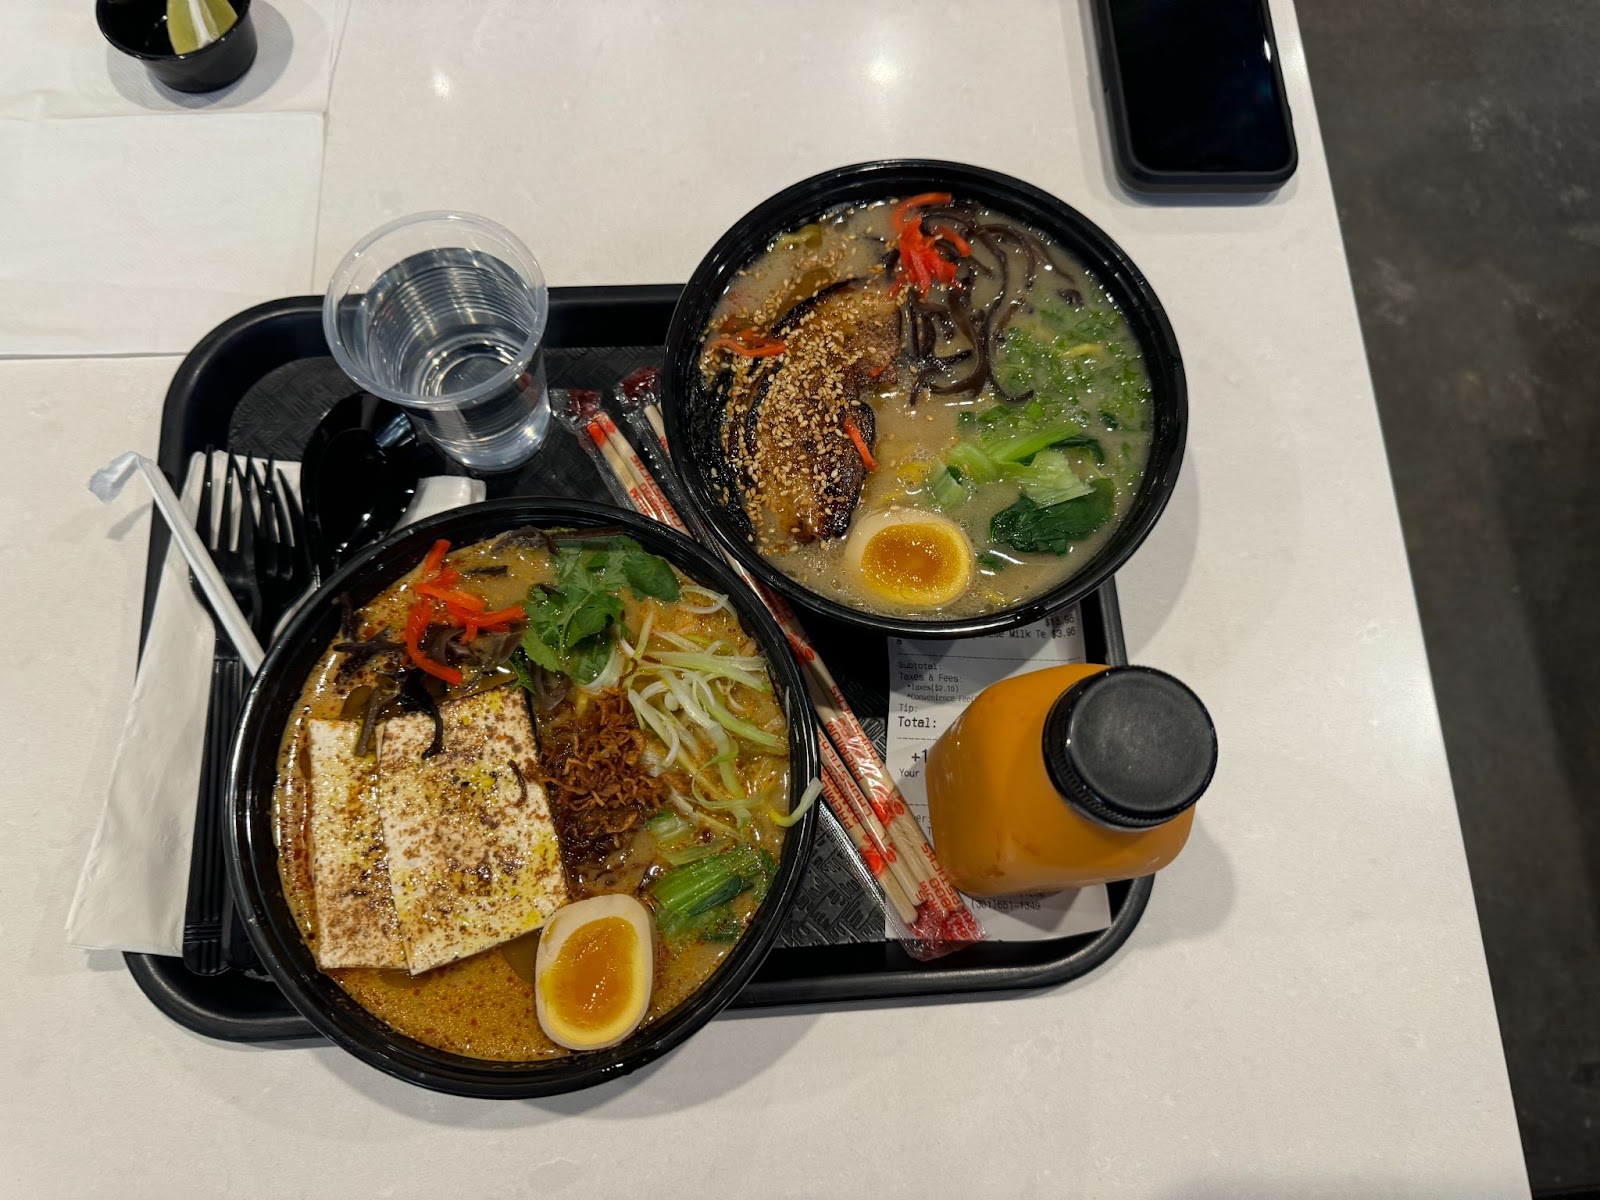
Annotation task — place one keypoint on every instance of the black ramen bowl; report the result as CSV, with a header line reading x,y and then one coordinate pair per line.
x,y
693,425
253,853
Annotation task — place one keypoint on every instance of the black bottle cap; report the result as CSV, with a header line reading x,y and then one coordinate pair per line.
x,y
1130,747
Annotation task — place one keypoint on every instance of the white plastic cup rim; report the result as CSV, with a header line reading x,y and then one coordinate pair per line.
x,y
522,261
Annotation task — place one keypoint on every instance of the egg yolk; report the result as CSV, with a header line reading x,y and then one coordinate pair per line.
x,y
913,560
590,984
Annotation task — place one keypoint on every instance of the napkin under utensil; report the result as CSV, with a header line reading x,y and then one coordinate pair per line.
x,y
133,889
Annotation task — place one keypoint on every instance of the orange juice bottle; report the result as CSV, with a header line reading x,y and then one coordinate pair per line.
x,y
1069,776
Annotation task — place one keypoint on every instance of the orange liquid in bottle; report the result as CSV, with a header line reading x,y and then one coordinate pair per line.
x,y
1001,826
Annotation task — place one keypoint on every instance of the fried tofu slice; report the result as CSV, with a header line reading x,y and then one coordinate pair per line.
x,y
356,921
473,857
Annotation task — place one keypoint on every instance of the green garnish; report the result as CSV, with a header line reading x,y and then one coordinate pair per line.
x,y
650,576
1037,529
519,667
668,825
945,487
1078,358
1049,479
572,625
1079,441
972,461
696,897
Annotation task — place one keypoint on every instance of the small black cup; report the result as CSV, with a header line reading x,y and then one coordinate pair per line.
x,y
138,28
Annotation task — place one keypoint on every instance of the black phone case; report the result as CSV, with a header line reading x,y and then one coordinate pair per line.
x,y
1139,177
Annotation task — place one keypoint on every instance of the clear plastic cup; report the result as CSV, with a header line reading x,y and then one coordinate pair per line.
x,y
444,313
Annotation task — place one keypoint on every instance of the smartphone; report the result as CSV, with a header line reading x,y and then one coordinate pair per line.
x,y
1195,95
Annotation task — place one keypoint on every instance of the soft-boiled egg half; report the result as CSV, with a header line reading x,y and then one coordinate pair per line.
x,y
910,556
593,973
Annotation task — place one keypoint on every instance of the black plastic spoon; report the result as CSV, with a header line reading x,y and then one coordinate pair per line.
x,y
358,474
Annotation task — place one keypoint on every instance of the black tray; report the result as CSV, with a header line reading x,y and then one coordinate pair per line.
x,y
259,382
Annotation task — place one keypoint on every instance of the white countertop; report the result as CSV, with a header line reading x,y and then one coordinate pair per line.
x,y
1304,1010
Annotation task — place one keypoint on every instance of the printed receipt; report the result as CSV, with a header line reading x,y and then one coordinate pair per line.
x,y
930,683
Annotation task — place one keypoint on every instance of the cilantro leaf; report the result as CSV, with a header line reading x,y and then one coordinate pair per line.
x,y
589,657
539,650
521,668
572,625
649,575
588,614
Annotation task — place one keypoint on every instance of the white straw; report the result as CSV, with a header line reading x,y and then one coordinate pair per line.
x,y
107,483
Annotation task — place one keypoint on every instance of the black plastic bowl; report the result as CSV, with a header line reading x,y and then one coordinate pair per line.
x,y
253,855
692,427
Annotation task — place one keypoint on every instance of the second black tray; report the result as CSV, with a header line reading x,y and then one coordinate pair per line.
x,y
259,383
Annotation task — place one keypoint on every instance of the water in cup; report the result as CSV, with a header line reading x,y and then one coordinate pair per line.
x,y
443,315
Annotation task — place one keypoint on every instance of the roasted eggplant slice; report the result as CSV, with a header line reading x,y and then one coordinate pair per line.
x,y
798,471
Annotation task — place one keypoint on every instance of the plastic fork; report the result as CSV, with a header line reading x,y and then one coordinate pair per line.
x,y
282,569
229,529
277,572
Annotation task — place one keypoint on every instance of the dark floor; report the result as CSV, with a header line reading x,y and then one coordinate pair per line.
x,y
1464,143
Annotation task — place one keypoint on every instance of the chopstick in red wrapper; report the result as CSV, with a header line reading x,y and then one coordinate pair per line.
x,y
942,922
876,851
575,408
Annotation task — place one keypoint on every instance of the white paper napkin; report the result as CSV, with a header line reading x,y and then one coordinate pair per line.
x,y
138,235
55,63
134,885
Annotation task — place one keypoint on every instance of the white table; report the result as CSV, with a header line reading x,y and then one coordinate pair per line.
x,y
1304,1009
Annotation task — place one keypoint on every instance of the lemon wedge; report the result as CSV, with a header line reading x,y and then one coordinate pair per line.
x,y
195,24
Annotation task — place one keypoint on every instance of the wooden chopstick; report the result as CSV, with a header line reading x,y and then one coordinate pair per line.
x,y
886,862
872,856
